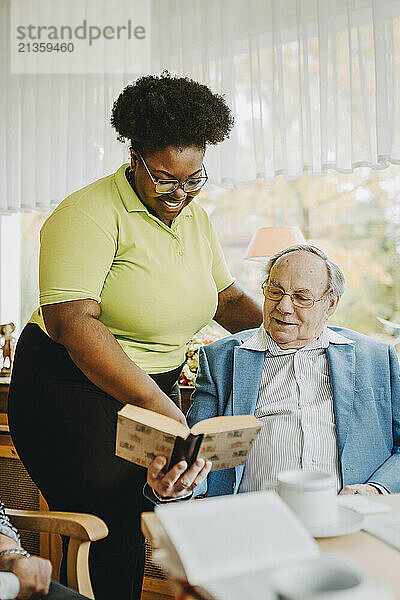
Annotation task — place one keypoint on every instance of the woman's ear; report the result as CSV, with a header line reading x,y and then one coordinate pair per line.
x,y
134,159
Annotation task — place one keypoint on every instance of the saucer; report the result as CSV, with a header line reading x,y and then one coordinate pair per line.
x,y
347,521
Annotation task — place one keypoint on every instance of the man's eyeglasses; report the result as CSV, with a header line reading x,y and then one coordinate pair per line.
x,y
299,299
169,186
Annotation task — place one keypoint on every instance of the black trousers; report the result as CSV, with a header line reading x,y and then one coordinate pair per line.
x,y
63,428
59,592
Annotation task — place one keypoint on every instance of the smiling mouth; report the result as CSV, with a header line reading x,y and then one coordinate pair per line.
x,y
173,205
283,322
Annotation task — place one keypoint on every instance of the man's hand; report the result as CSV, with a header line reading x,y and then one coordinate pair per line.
x,y
180,481
364,489
34,574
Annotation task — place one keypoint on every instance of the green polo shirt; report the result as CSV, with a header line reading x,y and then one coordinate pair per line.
x,y
156,285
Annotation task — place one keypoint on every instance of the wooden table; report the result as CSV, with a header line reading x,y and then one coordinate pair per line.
x,y
379,558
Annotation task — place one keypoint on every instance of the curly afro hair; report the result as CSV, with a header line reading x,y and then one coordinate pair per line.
x,y
160,111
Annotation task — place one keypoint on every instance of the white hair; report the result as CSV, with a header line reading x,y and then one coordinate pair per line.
x,y
336,281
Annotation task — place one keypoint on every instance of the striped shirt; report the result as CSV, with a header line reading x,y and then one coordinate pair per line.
x,y
5,526
295,406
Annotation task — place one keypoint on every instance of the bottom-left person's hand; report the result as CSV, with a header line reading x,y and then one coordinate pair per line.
x,y
34,574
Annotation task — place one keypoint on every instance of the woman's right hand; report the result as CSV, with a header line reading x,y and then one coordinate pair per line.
x,y
178,482
173,411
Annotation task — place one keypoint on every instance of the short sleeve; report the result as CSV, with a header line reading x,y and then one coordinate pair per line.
x,y
220,271
76,254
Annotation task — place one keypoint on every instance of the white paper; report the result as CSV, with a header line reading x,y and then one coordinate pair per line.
x,y
218,538
164,554
362,505
385,527
253,587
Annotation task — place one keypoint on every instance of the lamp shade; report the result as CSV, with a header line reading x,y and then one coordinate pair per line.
x,y
268,240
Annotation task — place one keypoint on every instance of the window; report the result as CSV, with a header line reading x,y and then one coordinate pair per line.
x,y
355,218
10,269
31,224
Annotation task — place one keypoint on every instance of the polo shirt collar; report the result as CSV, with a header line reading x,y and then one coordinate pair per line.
x,y
128,196
262,341
131,200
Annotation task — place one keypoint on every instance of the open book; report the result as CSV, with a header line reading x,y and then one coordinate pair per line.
x,y
241,547
227,545
143,434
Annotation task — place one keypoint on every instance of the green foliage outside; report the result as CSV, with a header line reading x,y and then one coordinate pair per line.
x,y
355,218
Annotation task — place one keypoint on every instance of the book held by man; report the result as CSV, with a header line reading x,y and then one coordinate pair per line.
x,y
143,434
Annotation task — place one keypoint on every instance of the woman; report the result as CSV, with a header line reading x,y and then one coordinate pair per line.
x,y
130,269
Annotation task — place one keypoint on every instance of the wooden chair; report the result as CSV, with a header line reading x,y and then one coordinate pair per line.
x,y
82,529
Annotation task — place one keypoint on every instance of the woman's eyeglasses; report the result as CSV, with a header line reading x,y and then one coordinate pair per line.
x,y
168,186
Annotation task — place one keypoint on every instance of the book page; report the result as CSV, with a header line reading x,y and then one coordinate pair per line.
x,y
164,554
258,585
141,444
253,587
153,419
222,537
215,424
384,527
228,448
361,504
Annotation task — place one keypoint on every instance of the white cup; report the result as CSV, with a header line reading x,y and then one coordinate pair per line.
x,y
311,495
322,578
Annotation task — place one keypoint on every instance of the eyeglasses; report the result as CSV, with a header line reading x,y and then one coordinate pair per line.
x,y
299,299
168,186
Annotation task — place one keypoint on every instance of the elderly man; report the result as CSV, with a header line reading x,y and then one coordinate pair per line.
x,y
328,398
33,572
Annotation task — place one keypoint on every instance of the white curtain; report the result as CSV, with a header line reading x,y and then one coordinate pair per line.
x,y
313,85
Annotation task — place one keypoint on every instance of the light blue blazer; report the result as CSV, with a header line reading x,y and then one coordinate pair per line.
x,y
365,380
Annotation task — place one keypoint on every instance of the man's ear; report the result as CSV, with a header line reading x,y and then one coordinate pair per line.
x,y
333,302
